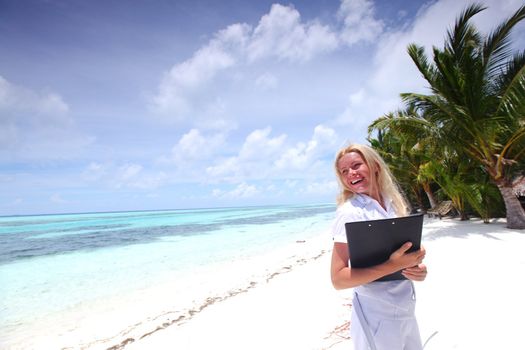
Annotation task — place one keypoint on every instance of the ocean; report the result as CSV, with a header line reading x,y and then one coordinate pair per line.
x,y
96,279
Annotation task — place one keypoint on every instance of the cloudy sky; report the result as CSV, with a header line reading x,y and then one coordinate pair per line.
x,y
129,105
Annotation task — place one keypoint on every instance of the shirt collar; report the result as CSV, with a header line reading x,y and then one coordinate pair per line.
x,y
363,200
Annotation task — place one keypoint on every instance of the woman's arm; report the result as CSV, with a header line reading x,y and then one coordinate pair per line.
x,y
345,277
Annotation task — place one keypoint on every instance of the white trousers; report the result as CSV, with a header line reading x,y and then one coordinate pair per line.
x,y
387,321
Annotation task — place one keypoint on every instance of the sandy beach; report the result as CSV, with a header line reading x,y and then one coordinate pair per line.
x,y
472,298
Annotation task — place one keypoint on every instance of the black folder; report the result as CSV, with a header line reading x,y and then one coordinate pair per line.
x,y
371,242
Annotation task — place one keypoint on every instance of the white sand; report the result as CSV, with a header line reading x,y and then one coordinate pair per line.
x,y
472,298
294,309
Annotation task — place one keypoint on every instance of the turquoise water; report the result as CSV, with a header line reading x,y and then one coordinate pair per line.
x,y
51,264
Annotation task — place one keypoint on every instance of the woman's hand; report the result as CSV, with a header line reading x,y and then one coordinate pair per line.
x,y
400,259
416,273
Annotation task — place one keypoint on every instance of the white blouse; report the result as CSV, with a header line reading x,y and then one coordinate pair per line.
x,y
397,293
359,208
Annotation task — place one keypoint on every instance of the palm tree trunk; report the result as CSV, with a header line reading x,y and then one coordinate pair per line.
x,y
459,205
515,212
430,194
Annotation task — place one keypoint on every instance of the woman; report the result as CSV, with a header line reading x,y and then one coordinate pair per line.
x,y
383,312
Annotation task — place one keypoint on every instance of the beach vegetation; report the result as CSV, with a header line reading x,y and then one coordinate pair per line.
x,y
471,127
407,157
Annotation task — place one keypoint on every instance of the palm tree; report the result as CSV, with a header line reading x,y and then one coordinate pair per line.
x,y
419,164
402,163
407,153
484,196
453,175
477,105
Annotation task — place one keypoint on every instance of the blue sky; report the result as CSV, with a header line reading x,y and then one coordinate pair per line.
x,y
131,105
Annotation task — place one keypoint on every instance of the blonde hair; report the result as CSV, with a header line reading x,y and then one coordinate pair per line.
x,y
382,182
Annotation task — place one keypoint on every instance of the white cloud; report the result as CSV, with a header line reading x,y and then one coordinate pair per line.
x,y
36,126
150,181
253,160
217,192
57,199
359,22
280,33
52,104
194,145
194,157
8,134
202,66
291,184
227,169
134,176
259,145
129,175
184,79
217,125
191,88
128,171
242,191
320,188
357,97
305,154
16,98
266,157
94,171
199,90
21,108
266,81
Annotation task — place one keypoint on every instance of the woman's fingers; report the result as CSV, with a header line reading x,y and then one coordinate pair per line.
x,y
416,273
402,250
404,259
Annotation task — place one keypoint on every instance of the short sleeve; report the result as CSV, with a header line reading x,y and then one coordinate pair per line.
x,y
345,213
338,228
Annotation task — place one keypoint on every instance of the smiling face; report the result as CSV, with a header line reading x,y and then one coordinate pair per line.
x,y
354,173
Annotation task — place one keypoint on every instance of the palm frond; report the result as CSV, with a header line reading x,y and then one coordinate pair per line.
x,y
449,83
442,112
463,32
417,53
514,140
497,49
511,88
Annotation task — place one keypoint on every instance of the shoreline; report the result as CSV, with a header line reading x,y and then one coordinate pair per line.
x,y
284,299
118,322
303,311
279,311
188,315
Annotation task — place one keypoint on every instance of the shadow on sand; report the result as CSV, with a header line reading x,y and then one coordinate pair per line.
x,y
454,228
